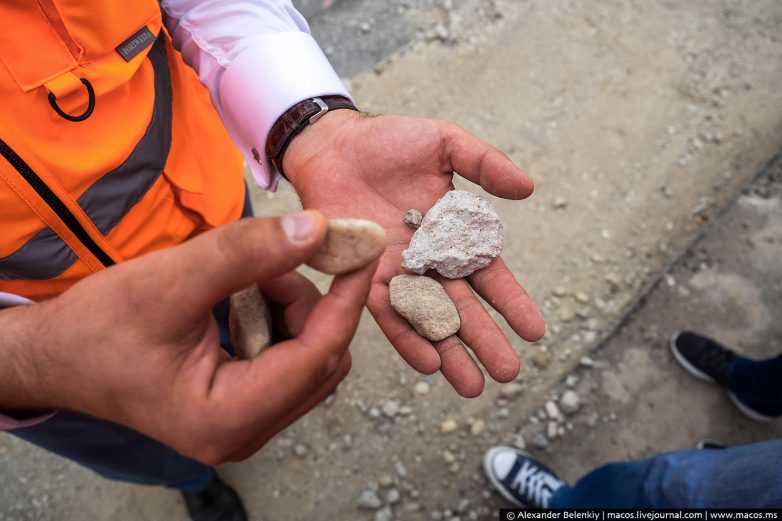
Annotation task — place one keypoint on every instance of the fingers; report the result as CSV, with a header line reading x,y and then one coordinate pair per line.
x,y
217,263
459,368
296,294
414,349
328,387
483,164
497,285
481,333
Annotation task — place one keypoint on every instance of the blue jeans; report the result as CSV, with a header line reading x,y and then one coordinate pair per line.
x,y
117,452
747,476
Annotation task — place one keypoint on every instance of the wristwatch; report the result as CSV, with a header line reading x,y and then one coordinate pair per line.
x,y
296,119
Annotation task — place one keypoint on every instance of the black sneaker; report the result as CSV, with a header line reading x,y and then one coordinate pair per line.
x,y
706,359
702,357
219,502
519,478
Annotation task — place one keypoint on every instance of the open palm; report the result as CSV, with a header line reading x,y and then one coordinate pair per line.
x,y
377,168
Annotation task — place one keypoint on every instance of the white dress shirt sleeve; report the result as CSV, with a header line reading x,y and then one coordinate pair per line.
x,y
258,59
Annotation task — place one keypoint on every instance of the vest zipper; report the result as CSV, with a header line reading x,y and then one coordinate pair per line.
x,y
54,203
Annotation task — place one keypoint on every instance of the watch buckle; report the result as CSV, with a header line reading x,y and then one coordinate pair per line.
x,y
323,109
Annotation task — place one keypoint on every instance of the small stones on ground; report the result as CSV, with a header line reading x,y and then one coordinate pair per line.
x,y
390,408
552,430
570,402
393,496
350,244
541,359
478,427
369,500
512,390
571,381
384,514
519,442
552,411
448,426
582,297
422,388
448,456
413,218
560,203
426,306
401,471
539,440
300,450
374,413
560,291
386,480
460,234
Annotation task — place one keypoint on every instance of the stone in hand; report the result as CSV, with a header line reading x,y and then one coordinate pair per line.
x,y
249,320
413,218
459,235
350,244
426,305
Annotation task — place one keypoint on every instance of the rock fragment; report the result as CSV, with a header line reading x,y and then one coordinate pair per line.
x,y
460,234
539,440
512,389
570,402
249,321
478,427
422,388
552,411
350,244
413,218
369,500
448,426
424,303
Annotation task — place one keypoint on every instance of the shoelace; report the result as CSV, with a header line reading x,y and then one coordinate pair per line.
x,y
537,484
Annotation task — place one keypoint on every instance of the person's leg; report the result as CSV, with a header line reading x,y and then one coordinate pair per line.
x,y
745,476
758,384
116,452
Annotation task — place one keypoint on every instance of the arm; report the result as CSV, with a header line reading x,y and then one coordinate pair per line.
x,y
257,58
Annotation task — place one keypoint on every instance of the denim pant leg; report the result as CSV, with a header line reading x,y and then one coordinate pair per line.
x,y
117,452
758,384
745,476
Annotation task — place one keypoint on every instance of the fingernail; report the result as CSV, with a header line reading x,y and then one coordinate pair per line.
x,y
298,226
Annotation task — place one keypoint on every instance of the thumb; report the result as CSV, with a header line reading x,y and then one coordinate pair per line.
x,y
225,260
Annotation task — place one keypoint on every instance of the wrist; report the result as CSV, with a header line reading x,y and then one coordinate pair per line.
x,y
25,372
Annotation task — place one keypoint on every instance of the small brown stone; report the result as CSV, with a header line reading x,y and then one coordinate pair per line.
x,y
541,359
350,244
426,305
250,322
413,218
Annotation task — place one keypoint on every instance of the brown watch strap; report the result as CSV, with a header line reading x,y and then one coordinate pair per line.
x,y
296,119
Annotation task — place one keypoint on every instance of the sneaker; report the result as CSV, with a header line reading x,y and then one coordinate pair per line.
x,y
702,357
521,479
219,502
707,360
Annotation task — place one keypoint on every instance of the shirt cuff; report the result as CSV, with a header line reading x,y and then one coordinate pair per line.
x,y
252,100
7,422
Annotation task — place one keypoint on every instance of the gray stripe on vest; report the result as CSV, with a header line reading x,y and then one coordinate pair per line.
x,y
46,255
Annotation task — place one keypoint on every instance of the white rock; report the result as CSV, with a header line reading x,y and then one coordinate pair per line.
x,y
478,427
460,234
448,426
384,514
570,402
571,381
512,390
552,411
393,496
390,408
350,244
552,430
426,306
369,500
249,321
421,388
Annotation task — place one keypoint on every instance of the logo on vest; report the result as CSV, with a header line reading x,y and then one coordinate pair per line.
x,y
133,46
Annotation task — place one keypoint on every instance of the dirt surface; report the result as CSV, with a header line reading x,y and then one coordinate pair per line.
x,y
638,120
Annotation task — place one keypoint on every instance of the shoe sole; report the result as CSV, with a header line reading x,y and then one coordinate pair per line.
x,y
494,481
697,373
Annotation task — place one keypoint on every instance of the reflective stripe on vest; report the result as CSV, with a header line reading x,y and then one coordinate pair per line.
x,y
106,201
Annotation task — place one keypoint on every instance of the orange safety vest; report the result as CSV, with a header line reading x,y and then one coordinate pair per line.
x,y
151,165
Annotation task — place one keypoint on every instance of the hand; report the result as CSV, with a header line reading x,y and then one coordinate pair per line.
x,y
352,165
136,344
